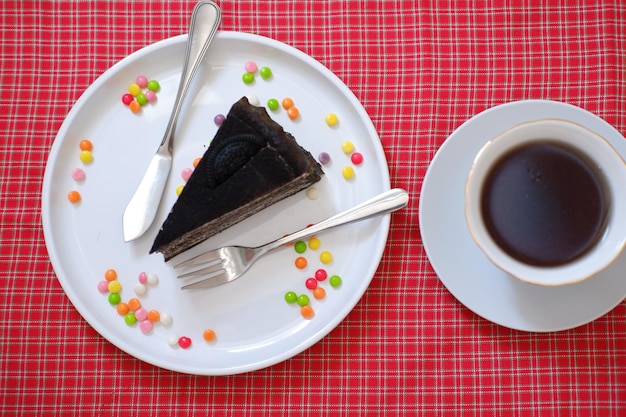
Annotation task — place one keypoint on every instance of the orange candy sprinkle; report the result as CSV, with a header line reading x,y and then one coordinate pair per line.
x,y
301,262
307,312
134,304
154,316
122,309
209,335
110,275
319,293
287,103
196,162
73,196
85,145
293,112
134,106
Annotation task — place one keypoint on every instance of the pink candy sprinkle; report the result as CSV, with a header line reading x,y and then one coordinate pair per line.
x,y
103,287
78,174
141,314
186,173
142,81
143,277
150,96
251,67
145,325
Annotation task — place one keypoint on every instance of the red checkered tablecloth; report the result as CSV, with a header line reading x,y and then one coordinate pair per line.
x,y
420,68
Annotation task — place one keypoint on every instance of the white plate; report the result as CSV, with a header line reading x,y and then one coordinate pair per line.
x,y
255,327
465,270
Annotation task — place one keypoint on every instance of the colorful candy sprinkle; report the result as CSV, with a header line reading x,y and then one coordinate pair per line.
x,y
152,279
184,342
186,173
356,158
134,89
331,119
314,243
165,319
153,85
143,277
78,175
335,281
145,326
150,96
247,78
134,304
307,312
312,193
141,99
114,286
154,316
253,100
219,119
172,340
319,293
122,309
130,318
311,283
179,189
209,335
273,104
324,158
140,289
86,156
347,147
85,145
265,72
347,172
300,246
291,297
303,300
103,287
196,162
293,112
134,106
141,81
110,274
127,99
301,262
73,196
287,103
321,274
251,67
326,257
141,314
115,298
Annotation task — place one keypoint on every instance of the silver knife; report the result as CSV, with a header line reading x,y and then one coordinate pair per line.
x,y
144,204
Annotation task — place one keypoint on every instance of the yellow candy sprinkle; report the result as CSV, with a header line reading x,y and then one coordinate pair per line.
x,y
115,286
348,172
347,147
331,119
86,156
326,257
314,243
134,90
179,189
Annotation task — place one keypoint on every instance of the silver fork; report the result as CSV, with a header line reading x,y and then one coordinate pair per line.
x,y
228,263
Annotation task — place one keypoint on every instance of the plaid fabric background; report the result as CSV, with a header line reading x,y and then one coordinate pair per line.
x,y
420,68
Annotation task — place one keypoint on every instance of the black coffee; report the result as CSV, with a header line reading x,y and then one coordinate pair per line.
x,y
544,204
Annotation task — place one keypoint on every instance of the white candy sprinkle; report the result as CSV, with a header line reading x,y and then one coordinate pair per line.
x,y
152,279
254,100
312,193
172,340
165,319
140,289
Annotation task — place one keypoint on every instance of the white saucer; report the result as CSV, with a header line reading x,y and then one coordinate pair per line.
x,y
461,265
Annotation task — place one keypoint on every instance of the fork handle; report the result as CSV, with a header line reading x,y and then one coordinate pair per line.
x,y
383,203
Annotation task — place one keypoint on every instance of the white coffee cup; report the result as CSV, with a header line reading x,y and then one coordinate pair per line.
x,y
601,157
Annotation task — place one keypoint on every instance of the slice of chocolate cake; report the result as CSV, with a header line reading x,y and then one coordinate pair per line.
x,y
251,164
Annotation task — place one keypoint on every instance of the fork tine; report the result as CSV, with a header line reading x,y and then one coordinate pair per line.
x,y
212,281
204,258
203,271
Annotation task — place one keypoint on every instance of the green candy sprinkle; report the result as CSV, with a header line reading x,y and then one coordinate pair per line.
x,y
130,318
303,300
300,246
115,298
335,281
247,78
291,297
272,104
153,85
141,99
265,72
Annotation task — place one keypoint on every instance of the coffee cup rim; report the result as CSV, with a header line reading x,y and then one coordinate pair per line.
x,y
611,165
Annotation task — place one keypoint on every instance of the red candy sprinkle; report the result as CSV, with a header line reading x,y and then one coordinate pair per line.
x,y
357,158
321,274
127,99
311,283
184,342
